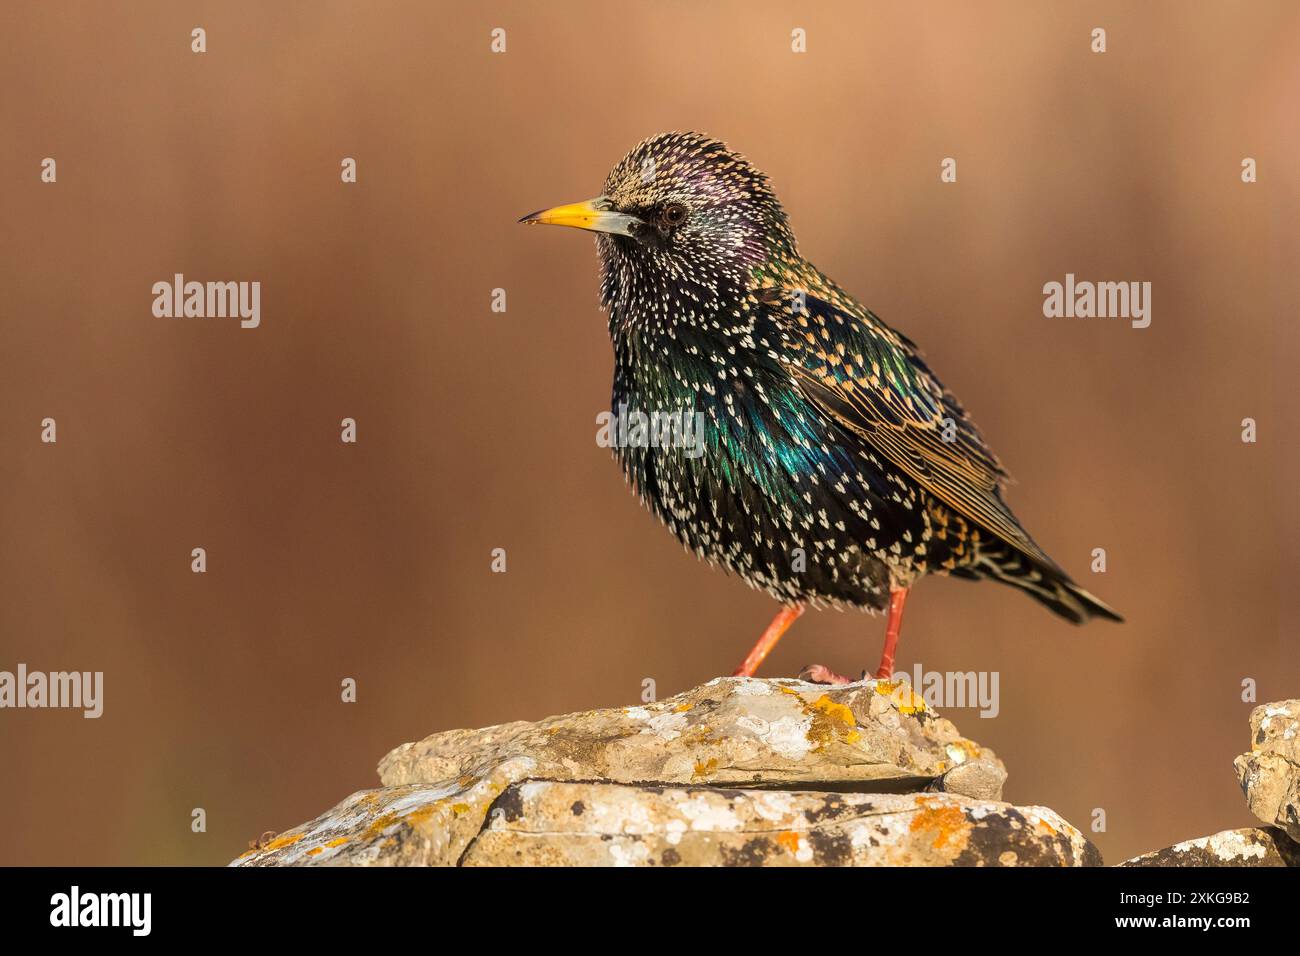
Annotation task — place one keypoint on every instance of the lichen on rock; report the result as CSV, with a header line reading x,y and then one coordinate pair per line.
x,y
738,771
747,772
1252,846
732,730
1270,772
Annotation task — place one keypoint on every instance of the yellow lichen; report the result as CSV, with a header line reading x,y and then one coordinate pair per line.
x,y
280,842
830,720
379,825
904,697
703,767
699,736
967,747
418,816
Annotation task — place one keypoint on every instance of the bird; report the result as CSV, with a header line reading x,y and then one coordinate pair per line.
x,y
829,467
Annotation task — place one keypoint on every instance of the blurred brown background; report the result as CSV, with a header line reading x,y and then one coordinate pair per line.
x,y
476,430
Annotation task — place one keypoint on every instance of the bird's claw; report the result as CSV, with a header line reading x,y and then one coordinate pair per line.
x,y
821,674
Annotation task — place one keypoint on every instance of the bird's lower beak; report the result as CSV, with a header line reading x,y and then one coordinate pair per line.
x,y
594,215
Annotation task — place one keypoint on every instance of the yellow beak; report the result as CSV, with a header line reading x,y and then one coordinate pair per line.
x,y
594,215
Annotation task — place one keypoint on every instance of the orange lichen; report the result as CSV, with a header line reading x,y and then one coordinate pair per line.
x,y
947,822
789,840
1043,824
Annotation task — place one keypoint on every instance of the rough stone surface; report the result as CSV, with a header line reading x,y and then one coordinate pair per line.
x,y
1270,772
737,771
731,731
1257,846
742,771
543,823
564,823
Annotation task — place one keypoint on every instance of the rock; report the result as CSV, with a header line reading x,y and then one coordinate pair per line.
x,y
1270,778
1253,846
1270,772
737,771
544,823
551,823
730,731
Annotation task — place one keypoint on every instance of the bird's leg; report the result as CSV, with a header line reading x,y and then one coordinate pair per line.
x,y
893,624
780,624
819,674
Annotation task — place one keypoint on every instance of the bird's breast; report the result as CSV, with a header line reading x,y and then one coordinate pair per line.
x,y
727,453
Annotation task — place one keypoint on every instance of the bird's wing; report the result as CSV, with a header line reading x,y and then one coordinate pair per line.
x,y
873,381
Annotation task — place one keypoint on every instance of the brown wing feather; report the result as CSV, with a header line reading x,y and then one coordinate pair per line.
x,y
875,384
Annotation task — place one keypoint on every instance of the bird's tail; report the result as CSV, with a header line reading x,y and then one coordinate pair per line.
x,y
999,561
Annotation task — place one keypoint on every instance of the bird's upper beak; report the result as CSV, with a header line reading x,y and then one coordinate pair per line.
x,y
595,215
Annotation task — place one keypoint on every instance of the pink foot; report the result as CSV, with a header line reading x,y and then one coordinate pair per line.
x,y
820,674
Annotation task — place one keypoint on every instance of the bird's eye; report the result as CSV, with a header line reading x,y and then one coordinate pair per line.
x,y
672,214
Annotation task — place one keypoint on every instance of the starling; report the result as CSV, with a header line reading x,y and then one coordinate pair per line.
x,y
831,466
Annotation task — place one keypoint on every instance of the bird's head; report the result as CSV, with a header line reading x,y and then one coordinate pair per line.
x,y
679,212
